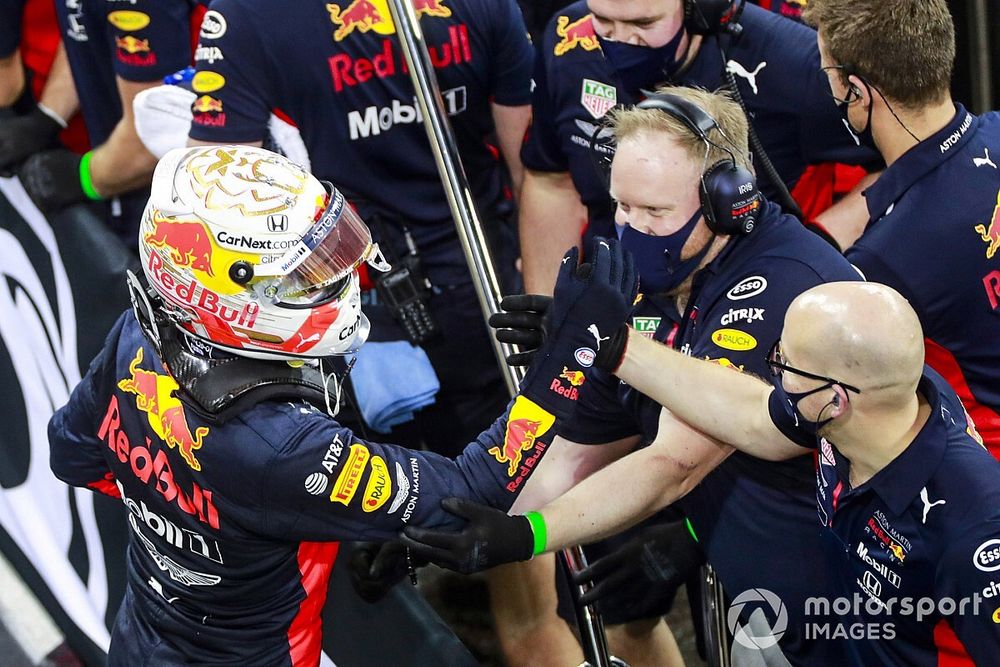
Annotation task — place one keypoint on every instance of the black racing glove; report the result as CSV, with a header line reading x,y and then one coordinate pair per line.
x,y
489,538
522,322
658,560
23,136
590,303
52,179
376,567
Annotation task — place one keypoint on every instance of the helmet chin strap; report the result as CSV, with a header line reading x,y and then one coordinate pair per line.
x,y
338,385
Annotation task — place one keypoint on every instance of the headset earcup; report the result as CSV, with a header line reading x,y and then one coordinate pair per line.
x,y
729,192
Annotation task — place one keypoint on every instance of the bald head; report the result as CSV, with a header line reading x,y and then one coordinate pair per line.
x,y
865,334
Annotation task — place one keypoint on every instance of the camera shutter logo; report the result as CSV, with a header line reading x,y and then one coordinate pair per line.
x,y
744,633
277,222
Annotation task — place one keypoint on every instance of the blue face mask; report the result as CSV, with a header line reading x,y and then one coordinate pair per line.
x,y
790,399
658,258
640,67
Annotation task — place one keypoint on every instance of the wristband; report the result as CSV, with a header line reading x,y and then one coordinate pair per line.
x,y
538,530
690,528
53,115
86,184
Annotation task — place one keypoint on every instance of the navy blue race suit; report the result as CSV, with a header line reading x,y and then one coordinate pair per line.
x,y
231,524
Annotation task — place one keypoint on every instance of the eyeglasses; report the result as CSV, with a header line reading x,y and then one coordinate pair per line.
x,y
853,93
776,362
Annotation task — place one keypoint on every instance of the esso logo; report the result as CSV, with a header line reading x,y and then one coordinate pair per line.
x,y
585,356
987,556
747,288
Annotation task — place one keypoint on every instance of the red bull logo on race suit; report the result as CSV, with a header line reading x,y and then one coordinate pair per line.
x,y
578,33
991,234
154,395
526,423
368,15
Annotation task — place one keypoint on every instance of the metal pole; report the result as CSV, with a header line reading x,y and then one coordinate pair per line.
x,y
713,617
980,62
477,254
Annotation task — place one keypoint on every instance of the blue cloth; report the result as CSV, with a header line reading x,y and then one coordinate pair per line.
x,y
391,381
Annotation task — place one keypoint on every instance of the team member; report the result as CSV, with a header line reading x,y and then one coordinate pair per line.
x,y
907,496
893,82
350,68
351,97
38,101
599,53
233,472
942,181
719,294
114,51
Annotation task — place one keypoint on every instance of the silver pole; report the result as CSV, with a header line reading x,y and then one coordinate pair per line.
x,y
713,608
981,74
477,253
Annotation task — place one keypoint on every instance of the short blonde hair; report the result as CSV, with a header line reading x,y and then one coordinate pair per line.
x,y
628,122
905,48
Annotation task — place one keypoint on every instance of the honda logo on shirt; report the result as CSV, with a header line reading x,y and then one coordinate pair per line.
x,y
277,223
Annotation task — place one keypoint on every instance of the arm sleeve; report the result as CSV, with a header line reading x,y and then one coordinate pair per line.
x,y
232,71
541,150
966,573
75,451
599,416
151,38
512,57
328,484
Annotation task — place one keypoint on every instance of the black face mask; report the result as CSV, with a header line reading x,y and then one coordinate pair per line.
x,y
642,67
790,399
865,136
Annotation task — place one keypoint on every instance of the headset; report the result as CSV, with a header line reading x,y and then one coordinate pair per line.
x,y
730,200
709,17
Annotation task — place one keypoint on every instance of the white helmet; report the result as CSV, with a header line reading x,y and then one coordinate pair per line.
x,y
254,255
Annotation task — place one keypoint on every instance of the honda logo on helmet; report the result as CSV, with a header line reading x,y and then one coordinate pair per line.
x,y
277,223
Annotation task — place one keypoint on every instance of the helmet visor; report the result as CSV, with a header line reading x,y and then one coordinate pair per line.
x,y
336,244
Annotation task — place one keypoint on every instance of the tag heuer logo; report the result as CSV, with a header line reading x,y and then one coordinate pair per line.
x,y
647,326
597,97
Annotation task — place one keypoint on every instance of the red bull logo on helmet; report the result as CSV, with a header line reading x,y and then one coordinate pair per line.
x,y
991,234
526,422
189,243
578,33
154,395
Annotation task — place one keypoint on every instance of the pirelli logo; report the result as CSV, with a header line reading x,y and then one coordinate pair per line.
x,y
350,475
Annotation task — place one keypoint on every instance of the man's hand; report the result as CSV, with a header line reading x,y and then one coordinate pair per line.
x,y
489,538
376,567
591,303
656,561
52,179
23,136
522,322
